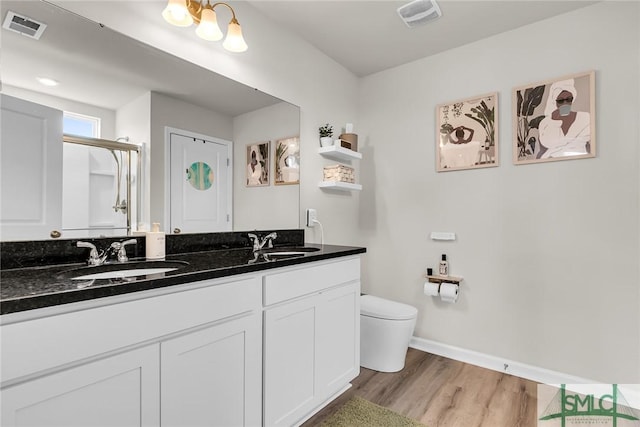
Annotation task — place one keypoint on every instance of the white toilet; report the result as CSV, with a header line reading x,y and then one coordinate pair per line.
x,y
385,330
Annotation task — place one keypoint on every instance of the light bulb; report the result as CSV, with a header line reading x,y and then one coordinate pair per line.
x,y
176,13
234,41
208,28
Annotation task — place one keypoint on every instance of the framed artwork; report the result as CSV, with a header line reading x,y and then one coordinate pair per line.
x,y
258,164
467,133
555,119
287,161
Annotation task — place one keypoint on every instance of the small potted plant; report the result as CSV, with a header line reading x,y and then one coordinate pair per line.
x,y
326,132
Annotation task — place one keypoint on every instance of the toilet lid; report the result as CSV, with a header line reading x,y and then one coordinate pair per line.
x,y
384,309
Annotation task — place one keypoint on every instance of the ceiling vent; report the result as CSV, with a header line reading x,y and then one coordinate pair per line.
x,y
419,12
23,25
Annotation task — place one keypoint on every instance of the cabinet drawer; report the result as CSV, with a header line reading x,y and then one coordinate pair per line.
x,y
40,344
306,280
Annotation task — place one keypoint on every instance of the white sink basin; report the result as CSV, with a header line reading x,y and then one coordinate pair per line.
x,y
119,274
284,253
122,270
287,251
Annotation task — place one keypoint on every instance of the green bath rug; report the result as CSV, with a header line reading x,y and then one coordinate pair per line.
x,y
358,412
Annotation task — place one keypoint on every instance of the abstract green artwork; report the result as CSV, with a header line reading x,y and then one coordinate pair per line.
x,y
200,176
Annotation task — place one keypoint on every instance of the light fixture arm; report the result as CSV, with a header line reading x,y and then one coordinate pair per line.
x,y
233,13
195,8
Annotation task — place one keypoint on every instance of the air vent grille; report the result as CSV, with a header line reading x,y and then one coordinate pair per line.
x,y
23,25
419,12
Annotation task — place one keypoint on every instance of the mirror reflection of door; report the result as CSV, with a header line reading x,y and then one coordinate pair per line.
x,y
30,169
200,183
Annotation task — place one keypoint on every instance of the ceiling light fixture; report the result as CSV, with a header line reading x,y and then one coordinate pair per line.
x,y
183,13
47,81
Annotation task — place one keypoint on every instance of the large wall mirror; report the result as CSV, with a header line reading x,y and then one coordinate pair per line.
x,y
141,95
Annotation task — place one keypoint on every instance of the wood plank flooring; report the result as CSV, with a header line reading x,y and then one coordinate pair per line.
x,y
441,392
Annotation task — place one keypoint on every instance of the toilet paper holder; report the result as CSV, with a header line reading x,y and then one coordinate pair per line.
x,y
446,287
444,279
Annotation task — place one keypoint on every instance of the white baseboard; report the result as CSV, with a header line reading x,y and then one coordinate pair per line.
x,y
495,363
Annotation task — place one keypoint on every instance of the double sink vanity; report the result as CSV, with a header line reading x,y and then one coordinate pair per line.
x,y
217,334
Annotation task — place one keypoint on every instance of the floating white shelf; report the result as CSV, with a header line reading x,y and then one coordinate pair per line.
x,y
340,185
339,153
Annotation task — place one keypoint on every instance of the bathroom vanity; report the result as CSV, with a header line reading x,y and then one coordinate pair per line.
x,y
262,342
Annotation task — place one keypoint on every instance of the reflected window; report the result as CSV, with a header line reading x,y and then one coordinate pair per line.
x,y
94,183
81,125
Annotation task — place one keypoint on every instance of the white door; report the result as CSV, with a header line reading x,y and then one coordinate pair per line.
x,y
121,390
31,172
200,183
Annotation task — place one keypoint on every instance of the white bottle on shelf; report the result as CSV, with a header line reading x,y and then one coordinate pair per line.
x,y
443,268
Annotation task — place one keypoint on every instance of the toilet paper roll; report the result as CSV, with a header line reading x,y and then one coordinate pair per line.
x,y
431,289
449,292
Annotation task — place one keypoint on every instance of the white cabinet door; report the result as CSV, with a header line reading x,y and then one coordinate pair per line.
x,y
31,172
212,377
289,362
311,352
338,338
121,390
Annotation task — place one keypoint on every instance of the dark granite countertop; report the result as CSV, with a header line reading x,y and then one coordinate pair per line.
x,y
37,287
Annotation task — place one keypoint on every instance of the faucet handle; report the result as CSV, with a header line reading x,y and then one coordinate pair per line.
x,y
254,240
94,257
122,251
269,238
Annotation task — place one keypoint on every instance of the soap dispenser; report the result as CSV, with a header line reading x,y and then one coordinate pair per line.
x,y
155,242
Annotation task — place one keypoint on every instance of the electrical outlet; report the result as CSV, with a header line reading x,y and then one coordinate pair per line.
x,y
312,215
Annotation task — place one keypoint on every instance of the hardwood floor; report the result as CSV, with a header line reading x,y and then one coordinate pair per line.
x,y
441,392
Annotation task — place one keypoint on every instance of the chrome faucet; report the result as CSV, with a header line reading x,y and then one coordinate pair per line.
x,y
94,256
99,258
122,251
266,240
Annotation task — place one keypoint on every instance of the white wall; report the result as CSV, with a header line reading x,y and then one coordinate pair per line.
x,y
272,206
549,252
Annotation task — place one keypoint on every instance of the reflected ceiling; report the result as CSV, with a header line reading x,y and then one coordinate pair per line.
x,y
118,71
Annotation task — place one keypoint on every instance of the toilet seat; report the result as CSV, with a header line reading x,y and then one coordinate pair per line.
x,y
384,309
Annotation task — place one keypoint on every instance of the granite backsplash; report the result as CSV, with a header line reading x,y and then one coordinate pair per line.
x,y
37,253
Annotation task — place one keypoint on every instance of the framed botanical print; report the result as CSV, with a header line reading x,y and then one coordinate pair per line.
x,y
287,161
258,164
466,133
554,119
